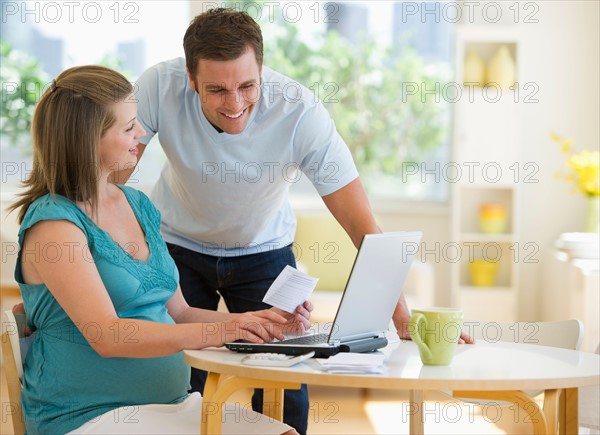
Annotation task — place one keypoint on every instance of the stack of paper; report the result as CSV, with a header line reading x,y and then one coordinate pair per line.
x,y
348,362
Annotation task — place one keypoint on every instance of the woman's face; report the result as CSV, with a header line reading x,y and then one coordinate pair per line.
x,y
118,145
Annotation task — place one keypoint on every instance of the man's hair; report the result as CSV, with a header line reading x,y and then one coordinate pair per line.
x,y
221,34
69,120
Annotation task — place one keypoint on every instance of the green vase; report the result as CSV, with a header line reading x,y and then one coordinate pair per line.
x,y
592,219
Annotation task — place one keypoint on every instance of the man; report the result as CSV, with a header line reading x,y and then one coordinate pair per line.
x,y
235,134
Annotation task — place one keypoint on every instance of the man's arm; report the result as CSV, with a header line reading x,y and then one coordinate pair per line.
x,y
350,207
121,176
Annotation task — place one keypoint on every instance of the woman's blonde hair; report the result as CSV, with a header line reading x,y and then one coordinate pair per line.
x,y
69,120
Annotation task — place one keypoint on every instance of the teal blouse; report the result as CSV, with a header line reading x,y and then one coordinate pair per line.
x,y
65,382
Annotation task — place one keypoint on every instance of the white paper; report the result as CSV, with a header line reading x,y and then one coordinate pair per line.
x,y
290,289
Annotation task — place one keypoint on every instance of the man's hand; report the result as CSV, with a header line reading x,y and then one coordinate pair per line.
x,y
401,319
298,322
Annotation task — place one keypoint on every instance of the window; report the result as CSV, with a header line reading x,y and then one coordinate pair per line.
x,y
376,65
127,36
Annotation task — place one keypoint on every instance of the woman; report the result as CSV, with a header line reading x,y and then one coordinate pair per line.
x,y
98,285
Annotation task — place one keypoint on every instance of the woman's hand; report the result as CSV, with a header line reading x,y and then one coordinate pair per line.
x,y
256,326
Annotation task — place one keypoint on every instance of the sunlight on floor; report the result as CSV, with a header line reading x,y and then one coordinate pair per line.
x,y
440,418
389,413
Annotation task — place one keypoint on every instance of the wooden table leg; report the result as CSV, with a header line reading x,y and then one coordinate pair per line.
x,y
219,388
569,411
210,421
535,414
416,424
551,410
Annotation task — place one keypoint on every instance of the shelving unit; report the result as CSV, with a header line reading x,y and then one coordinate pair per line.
x,y
486,149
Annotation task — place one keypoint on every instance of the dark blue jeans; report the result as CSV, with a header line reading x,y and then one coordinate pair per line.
x,y
242,281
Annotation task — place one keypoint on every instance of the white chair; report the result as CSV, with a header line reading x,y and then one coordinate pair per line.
x,y
14,349
566,334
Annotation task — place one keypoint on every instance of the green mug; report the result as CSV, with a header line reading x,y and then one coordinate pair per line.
x,y
436,332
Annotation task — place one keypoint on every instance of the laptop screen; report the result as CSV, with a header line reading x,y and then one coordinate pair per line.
x,y
375,284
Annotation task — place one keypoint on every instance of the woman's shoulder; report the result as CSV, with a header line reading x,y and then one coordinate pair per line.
x,y
53,207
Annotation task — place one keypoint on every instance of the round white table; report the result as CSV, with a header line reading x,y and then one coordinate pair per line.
x,y
496,371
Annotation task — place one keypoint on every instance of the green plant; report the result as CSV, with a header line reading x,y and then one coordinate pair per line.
x,y
368,92
23,82
381,120
116,62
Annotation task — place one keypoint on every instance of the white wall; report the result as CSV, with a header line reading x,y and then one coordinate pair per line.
x,y
560,54
435,224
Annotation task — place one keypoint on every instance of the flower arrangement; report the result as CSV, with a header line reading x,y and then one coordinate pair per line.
x,y
584,168
585,176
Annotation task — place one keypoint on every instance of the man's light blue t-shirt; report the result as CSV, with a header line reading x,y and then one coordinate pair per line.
x,y
227,195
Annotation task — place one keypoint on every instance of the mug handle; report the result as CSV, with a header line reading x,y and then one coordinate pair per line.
x,y
416,321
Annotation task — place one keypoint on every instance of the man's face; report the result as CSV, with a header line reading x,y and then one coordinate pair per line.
x,y
228,90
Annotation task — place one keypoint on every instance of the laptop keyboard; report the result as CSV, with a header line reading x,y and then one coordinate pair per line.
x,y
307,339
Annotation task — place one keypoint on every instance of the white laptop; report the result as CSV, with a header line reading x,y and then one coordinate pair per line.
x,y
373,288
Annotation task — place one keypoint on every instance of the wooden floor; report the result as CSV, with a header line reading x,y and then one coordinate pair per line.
x,y
357,411
351,411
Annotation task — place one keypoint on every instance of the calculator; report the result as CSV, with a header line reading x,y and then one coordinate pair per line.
x,y
274,359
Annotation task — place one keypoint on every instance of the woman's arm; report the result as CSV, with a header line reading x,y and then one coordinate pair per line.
x,y
77,286
297,322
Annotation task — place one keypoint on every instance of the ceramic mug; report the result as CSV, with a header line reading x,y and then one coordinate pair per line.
x,y
436,332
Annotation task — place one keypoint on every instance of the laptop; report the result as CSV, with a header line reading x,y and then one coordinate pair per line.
x,y
363,316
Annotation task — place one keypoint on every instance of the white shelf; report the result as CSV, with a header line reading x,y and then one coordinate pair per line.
x,y
477,289
486,33
486,136
489,238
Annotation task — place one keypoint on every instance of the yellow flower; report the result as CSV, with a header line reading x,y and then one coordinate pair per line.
x,y
585,173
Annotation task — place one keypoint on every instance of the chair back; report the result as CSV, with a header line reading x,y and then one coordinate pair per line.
x,y
566,334
12,357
